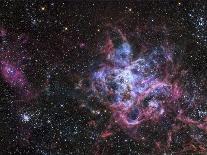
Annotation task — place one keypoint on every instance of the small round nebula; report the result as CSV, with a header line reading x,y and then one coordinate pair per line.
x,y
13,75
16,78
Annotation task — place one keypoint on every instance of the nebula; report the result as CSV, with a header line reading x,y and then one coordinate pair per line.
x,y
12,60
13,75
142,91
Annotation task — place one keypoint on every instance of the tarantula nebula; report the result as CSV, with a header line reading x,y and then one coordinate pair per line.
x,y
148,94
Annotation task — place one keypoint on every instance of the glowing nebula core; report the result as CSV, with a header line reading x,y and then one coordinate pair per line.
x,y
128,84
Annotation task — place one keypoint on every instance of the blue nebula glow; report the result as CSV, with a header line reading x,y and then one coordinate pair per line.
x,y
128,79
122,55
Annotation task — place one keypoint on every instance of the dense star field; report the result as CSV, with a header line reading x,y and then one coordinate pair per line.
x,y
103,77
